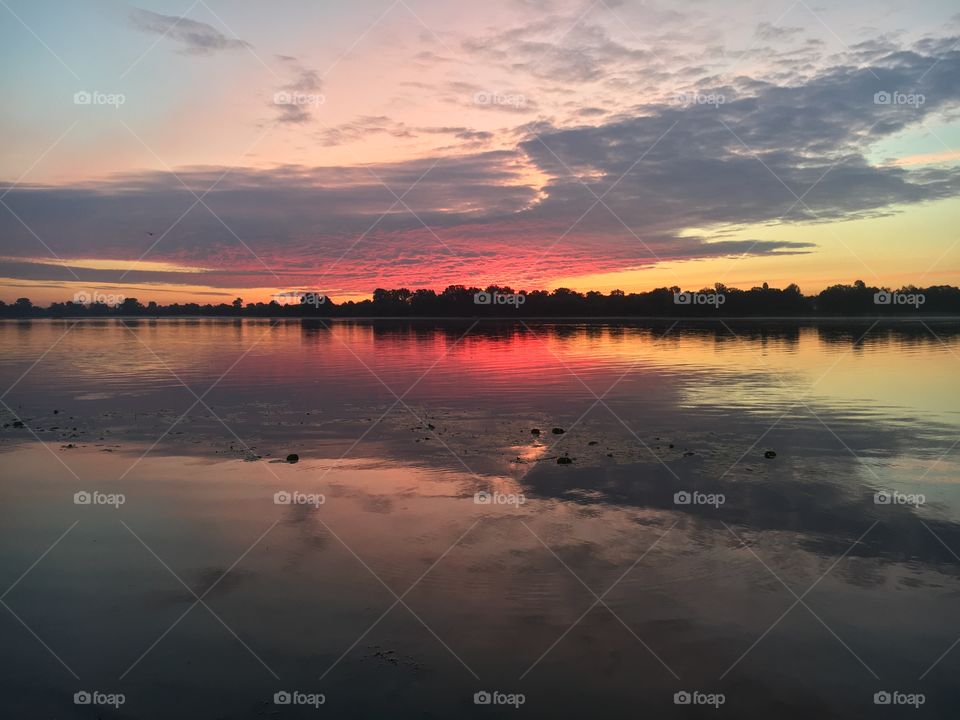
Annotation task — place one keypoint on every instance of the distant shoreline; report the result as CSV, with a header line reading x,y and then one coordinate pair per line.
x,y
762,304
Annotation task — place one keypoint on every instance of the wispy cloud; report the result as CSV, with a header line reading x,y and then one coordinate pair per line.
x,y
296,100
195,38
769,31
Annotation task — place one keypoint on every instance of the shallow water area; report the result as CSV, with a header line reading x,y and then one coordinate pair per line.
x,y
428,545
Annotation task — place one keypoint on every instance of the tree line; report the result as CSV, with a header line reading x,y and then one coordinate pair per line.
x,y
857,299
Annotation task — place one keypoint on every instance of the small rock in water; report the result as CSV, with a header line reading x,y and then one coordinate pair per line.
x,y
292,458
592,442
564,461
18,423
535,431
431,426
769,454
558,431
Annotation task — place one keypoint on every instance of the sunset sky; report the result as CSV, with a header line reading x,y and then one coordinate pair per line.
x,y
205,149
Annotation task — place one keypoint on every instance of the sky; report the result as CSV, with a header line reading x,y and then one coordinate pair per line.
x,y
203,150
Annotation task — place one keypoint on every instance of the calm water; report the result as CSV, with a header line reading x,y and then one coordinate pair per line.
x,y
787,585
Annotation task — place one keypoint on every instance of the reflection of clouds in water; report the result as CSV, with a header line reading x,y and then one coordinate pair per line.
x,y
705,389
225,581
379,504
822,502
201,581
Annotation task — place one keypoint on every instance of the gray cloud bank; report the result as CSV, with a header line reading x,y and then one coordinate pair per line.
x,y
766,153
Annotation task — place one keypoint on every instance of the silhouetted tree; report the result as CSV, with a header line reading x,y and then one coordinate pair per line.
x,y
856,299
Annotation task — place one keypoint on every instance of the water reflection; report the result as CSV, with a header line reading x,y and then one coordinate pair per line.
x,y
398,425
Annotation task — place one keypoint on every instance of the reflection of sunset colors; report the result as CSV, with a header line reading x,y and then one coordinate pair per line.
x,y
535,145
574,362
719,460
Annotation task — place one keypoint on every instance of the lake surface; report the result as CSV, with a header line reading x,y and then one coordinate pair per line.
x,y
437,548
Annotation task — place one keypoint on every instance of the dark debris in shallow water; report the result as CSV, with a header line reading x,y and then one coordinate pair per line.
x,y
390,657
